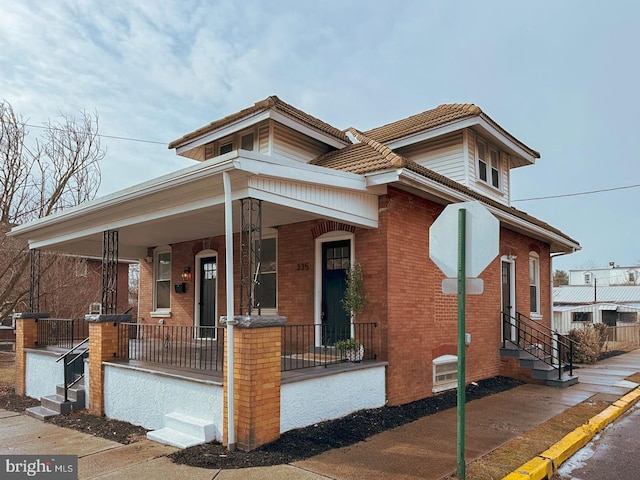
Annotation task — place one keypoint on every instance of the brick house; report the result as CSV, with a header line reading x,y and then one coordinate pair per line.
x,y
325,198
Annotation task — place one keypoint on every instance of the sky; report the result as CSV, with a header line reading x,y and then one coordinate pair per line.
x,y
560,76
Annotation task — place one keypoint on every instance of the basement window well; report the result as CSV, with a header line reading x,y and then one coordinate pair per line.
x,y
445,373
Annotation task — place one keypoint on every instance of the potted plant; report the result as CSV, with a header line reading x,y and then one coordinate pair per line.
x,y
355,298
350,349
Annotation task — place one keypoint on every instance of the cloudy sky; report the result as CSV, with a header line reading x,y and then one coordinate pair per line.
x,y
560,76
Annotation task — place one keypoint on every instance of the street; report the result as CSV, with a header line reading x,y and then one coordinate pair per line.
x,y
612,454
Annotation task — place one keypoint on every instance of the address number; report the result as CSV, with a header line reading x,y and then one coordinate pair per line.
x,y
302,266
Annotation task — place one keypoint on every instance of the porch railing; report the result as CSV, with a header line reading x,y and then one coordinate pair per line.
x,y
54,332
306,346
200,348
539,340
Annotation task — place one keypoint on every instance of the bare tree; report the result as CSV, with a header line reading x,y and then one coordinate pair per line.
x,y
58,170
560,277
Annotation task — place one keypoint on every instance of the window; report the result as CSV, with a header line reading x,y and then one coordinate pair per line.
x,y
587,279
244,140
632,277
266,292
534,283
162,279
582,316
488,163
445,373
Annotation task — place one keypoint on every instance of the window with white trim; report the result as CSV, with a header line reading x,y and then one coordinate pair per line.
x,y
488,166
245,140
534,283
587,279
162,279
267,291
445,373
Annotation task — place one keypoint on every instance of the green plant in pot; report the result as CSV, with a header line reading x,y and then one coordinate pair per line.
x,y
353,302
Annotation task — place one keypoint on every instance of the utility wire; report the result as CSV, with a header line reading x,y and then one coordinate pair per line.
x,y
576,194
101,135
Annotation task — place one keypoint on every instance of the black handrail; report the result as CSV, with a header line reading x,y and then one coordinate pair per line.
x,y
70,367
530,336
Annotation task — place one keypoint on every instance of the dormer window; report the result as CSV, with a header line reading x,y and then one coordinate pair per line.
x,y
244,140
488,163
587,279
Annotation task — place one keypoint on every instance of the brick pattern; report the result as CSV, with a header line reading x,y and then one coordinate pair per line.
x,y
256,387
103,346
26,337
326,227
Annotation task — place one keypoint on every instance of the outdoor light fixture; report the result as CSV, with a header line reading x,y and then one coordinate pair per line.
x,y
186,275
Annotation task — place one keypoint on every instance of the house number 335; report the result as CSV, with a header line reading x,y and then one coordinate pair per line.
x,y
302,266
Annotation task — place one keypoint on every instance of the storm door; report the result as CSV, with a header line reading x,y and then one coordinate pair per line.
x,y
336,259
507,301
208,285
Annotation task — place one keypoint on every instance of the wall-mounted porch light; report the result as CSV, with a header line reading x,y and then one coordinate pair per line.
x,y
186,275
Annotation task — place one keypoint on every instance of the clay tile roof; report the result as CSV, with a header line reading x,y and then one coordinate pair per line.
x,y
422,121
367,156
272,102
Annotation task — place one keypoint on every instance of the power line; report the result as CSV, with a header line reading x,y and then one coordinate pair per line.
x,y
128,139
577,193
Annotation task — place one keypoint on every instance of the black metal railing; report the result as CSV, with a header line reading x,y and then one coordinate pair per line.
x,y
74,365
191,347
542,342
54,332
306,346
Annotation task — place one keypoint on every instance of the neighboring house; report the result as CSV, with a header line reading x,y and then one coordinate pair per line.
x,y
328,198
578,305
614,275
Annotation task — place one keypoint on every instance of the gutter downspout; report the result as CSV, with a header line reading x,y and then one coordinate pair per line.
x,y
228,235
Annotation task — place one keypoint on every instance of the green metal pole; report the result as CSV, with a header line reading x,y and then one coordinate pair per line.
x,y
462,294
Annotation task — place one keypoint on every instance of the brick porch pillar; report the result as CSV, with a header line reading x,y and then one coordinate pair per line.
x,y
103,346
26,337
257,368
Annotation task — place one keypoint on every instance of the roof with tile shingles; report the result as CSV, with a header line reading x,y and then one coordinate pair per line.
x,y
272,102
433,118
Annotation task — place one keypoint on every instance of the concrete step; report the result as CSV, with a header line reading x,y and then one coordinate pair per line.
x,y
56,403
567,381
183,431
171,437
40,412
75,394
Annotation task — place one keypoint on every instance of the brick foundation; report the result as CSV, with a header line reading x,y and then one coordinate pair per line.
x,y
26,337
103,346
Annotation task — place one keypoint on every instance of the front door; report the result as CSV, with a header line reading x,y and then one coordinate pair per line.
x,y
507,301
208,281
336,259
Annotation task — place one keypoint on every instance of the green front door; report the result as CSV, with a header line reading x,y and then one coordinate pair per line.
x,y
336,259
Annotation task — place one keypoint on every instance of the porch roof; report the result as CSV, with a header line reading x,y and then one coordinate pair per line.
x,y
189,204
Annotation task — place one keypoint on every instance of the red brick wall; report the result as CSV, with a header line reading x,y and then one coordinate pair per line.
x,y
416,322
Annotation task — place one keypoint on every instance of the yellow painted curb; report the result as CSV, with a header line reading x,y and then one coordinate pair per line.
x,y
535,469
547,464
570,444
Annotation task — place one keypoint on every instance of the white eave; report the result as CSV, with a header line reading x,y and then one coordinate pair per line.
x,y
254,119
520,154
444,194
188,205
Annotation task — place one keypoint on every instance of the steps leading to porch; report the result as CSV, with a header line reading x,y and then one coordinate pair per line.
x,y
539,369
183,431
53,405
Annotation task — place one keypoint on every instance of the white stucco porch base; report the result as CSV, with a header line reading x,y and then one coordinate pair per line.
x,y
42,373
143,397
305,401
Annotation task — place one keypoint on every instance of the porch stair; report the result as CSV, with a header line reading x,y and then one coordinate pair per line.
x,y
183,431
53,405
539,365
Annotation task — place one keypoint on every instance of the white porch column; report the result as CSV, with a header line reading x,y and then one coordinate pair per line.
x,y
228,235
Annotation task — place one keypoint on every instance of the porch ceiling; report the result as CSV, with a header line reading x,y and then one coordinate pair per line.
x,y
189,205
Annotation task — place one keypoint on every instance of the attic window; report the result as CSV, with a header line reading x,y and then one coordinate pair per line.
x,y
244,140
488,163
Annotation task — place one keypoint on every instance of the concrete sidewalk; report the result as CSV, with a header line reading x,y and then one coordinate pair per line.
x,y
424,449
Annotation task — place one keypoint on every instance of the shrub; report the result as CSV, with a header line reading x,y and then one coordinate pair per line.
x,y
589,342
